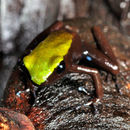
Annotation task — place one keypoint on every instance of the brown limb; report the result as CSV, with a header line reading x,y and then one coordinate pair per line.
x,y
103,44
98,58
95,76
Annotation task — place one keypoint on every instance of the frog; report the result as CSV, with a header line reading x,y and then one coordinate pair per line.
x,y
61,51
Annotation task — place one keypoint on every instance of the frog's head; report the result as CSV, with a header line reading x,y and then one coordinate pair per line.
x,y
48,56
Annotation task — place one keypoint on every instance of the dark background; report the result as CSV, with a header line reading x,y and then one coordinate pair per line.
x,y
22,20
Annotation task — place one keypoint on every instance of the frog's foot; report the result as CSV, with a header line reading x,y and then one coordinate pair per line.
x,y
95,100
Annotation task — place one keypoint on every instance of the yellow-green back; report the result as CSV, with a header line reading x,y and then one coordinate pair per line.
x,y
42,61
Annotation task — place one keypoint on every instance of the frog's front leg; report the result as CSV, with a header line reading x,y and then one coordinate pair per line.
x,y
95,76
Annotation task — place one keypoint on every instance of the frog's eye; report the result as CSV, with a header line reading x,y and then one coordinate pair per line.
x,y
61,67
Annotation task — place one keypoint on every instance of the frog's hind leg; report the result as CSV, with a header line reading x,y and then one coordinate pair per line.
x,y
103,44
95,57
95,76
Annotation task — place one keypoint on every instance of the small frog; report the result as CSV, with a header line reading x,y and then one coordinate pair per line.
x,y
60,51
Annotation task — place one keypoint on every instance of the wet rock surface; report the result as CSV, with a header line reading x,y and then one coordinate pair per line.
x,y
62,105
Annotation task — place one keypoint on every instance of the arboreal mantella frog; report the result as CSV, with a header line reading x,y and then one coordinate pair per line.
x,y
61,51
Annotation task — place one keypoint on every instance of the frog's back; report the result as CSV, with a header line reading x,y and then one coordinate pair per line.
x,y
42,61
